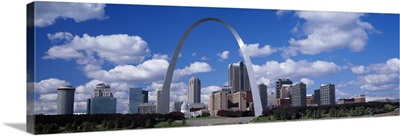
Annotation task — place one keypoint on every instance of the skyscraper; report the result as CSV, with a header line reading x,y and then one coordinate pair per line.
x,y
194,90
65,100
136,98
327,94
279,84
238,78
177,106
162,103
298,95
263,95
317,97
102,101
145,96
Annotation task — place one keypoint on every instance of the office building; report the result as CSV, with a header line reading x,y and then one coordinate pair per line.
x,y
65,100
311,100
165,103
102,101
147,108
194,90
298,95
136,97
177,106
238,101
360,98
278,87
145,96
218,101
317,97
262,88
327,94
283,102
238,77
271,100
346,101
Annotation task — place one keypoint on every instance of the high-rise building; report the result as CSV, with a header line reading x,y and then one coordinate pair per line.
x,y
145,108
238,101
177,106
298,95
136,97
317,96
279,84
65,100
327,94
238,77
346,101
194,90
162,103
145,96
271,100
219,100
360,98
102,101
262,88
311,100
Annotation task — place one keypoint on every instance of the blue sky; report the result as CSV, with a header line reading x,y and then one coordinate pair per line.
x,y
130,46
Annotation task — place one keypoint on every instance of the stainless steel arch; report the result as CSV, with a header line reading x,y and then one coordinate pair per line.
x,y
163,104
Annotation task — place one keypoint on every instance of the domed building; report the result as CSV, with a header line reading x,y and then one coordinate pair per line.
x,y
102,101
185,109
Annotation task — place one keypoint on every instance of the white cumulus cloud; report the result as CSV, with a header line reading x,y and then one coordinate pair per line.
x,y
117,48
193,68
48,12
307,81
295,69
223,55
328,31
253,50
49,85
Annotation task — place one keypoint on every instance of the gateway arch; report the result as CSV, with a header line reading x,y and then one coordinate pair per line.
x,y
163,103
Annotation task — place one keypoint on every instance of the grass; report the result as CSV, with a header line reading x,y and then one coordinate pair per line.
x,y
165,124
201,118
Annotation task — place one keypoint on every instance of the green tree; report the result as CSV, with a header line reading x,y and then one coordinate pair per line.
x,y
170,122
184,121
149,124
39,128
332,112
133,124
86,126
388,107
110,125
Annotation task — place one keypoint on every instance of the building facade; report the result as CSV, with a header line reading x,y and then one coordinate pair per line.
x,y
278,87
238,77
317,97
177,106
360,98
145,96
147,108
238,101
298,95
194,90
346,101
262,88
102,101
218,101
327,94
136,98
311,100
159,102
65,100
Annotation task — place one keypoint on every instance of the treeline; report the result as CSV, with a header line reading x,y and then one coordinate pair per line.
x,y
230,113
347,110
45,124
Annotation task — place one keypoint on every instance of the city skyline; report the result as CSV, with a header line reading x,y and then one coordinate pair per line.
x,y
277,44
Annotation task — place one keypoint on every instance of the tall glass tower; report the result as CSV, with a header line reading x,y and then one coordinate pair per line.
x,y
65,100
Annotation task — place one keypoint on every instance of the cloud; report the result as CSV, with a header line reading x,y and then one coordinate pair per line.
x,y
341,94
60,36
379,76
329,31
253,50
48,97
160,56
49,85
48,12
195,67
194,54
280,13
224,55
148,71
117,48
293,69
204,58
307,81
206,92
